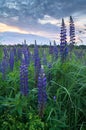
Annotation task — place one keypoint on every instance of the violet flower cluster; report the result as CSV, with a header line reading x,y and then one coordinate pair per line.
x,y
63,43
50,49
5,51
72,31
37,62
26,53
11,59
19,53
24,78
42,95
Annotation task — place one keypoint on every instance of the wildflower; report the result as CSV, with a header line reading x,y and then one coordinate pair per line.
x,y
19,53
5,52
63,43
42,95
11,60
50,49
37,61
14,49
54,98
72,31
26,53
24,78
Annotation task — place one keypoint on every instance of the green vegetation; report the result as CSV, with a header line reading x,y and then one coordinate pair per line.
x,y
66,102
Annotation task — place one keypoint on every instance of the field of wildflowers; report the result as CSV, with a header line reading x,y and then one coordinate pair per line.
x,y
43,88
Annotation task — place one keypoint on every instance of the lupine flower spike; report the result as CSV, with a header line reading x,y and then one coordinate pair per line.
x,y
63,43
24,78
42,95
37,62
11,60
50,49
26,53
72,33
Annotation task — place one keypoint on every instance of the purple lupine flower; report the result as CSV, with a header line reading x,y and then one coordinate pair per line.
x,y
15,51
25,43
37,61
42,95
55,51
54,97
63,43
26,53
72,31
36,51
19,53
50,49
27,57
4,67
37,68
5,52
11,60
24,78
36,55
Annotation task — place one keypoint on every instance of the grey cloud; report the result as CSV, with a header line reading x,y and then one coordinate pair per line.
x,y
29,11
38,8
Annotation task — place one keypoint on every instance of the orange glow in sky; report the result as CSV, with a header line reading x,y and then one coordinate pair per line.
x,y
7,28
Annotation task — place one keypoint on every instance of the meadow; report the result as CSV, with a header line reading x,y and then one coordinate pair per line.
x,y
43,87
65,107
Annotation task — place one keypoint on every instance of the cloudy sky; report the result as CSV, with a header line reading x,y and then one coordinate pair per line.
x,y
31,19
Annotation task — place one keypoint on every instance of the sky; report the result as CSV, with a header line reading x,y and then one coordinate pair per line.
x,y
41,19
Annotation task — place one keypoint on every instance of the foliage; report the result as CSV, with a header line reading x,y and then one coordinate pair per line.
x,y
66,98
